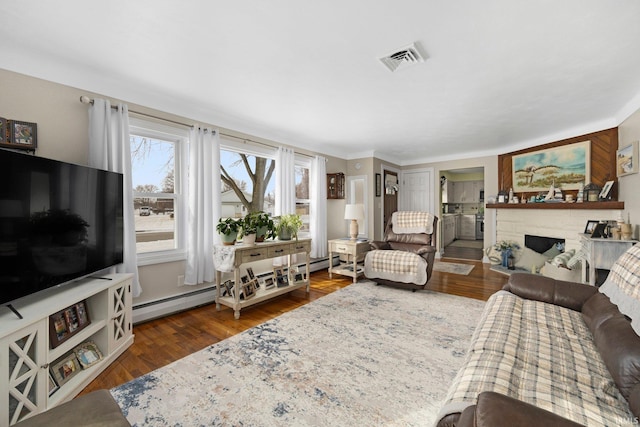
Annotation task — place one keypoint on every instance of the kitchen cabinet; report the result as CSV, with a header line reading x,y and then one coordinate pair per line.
x,y
467,191
448,229
468,227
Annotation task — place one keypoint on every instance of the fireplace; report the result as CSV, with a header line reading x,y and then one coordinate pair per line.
x,y
541,244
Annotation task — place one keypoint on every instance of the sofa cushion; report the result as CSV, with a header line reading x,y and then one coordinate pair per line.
x,y
623,285
619,347
96,409
541,354
598,309
528,258
399,266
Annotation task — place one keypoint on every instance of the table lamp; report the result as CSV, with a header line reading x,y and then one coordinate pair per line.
x,y
354,212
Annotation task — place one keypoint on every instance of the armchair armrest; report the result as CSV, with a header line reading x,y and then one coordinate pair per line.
x,y
496,410
540,288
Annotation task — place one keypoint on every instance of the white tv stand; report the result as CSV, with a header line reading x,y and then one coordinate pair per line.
x,y
26,354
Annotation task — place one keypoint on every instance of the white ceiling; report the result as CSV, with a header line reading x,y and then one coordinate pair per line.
x,y
499,74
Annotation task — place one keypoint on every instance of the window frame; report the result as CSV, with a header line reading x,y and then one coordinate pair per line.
x,y
228,144
305,162
180,138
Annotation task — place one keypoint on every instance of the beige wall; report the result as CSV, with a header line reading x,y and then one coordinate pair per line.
x,y
629,131
63,135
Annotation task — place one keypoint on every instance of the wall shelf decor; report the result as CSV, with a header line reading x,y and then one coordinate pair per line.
x,y
18,135
335,185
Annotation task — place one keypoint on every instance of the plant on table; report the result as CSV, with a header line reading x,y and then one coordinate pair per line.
x,y
288,226
259,223
228,229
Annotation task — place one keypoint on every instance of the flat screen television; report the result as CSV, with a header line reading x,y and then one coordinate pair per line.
x,y
58,222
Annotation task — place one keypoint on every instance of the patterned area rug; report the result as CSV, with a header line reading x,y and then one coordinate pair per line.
x,y
363,355
452,267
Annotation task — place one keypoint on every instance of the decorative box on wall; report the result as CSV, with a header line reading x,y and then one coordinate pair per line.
x,y
335,185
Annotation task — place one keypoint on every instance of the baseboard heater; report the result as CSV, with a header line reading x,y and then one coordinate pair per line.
x,y
176,303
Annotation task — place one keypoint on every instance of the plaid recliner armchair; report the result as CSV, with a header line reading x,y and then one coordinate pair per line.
x,y
405,258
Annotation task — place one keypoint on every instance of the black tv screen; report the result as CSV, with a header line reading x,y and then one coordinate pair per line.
x,y
58,222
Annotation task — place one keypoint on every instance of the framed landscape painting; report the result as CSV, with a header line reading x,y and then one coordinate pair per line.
x,y
627,159
565,167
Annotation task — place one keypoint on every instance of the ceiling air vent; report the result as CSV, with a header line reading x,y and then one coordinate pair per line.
x,y
402,58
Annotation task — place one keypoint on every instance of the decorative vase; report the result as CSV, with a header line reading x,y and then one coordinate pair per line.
x,y
261,233
249,239
284,234
505,257
229,239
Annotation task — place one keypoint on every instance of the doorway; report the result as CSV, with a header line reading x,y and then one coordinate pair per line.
x,y
462,211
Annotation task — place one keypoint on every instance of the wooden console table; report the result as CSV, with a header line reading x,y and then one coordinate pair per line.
x,y
230,258
600,253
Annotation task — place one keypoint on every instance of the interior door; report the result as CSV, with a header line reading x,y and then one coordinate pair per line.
x,y
418,191
390,195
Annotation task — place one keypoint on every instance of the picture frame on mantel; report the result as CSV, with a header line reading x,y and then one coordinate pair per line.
x,y
627,160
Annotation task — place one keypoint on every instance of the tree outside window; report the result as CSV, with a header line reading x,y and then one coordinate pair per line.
x,y
248,183
153,176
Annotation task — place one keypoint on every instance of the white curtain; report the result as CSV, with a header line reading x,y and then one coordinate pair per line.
x,y
285,189
285,182
109,148
204,209
318,211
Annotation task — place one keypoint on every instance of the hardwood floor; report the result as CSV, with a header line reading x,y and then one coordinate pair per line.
x,y
162,341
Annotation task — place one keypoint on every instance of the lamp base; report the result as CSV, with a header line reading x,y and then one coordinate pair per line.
x,y
353,229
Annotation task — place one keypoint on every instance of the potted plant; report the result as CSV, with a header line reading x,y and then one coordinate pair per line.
x,y
248,230
506,249
288,226
228,229
261,223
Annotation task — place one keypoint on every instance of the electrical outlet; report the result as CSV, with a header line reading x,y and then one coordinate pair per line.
x,y
180,280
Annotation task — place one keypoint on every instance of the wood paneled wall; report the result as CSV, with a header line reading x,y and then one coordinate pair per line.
x,y
604,145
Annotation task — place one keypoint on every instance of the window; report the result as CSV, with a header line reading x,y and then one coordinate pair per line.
x,y
248,181
156,151
303,202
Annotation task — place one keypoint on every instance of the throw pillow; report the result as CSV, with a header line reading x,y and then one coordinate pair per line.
x,y
552,252
563,259
529,258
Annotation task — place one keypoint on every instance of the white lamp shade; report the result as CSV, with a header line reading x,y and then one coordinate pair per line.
x,y
354,211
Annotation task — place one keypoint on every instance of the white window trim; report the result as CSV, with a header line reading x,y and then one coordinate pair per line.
x,y
305,162
180,137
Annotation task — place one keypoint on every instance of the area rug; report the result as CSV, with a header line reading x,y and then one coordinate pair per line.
x,y
452,267
364,355
474,244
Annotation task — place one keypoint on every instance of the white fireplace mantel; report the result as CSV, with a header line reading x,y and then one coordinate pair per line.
x,y
568,224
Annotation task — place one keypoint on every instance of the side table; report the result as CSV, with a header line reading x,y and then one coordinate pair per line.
x,y
355,250
600,253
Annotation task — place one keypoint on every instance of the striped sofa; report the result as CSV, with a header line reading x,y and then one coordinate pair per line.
x,y
552,352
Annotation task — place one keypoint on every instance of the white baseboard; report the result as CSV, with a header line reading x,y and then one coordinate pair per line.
x,y
156,309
